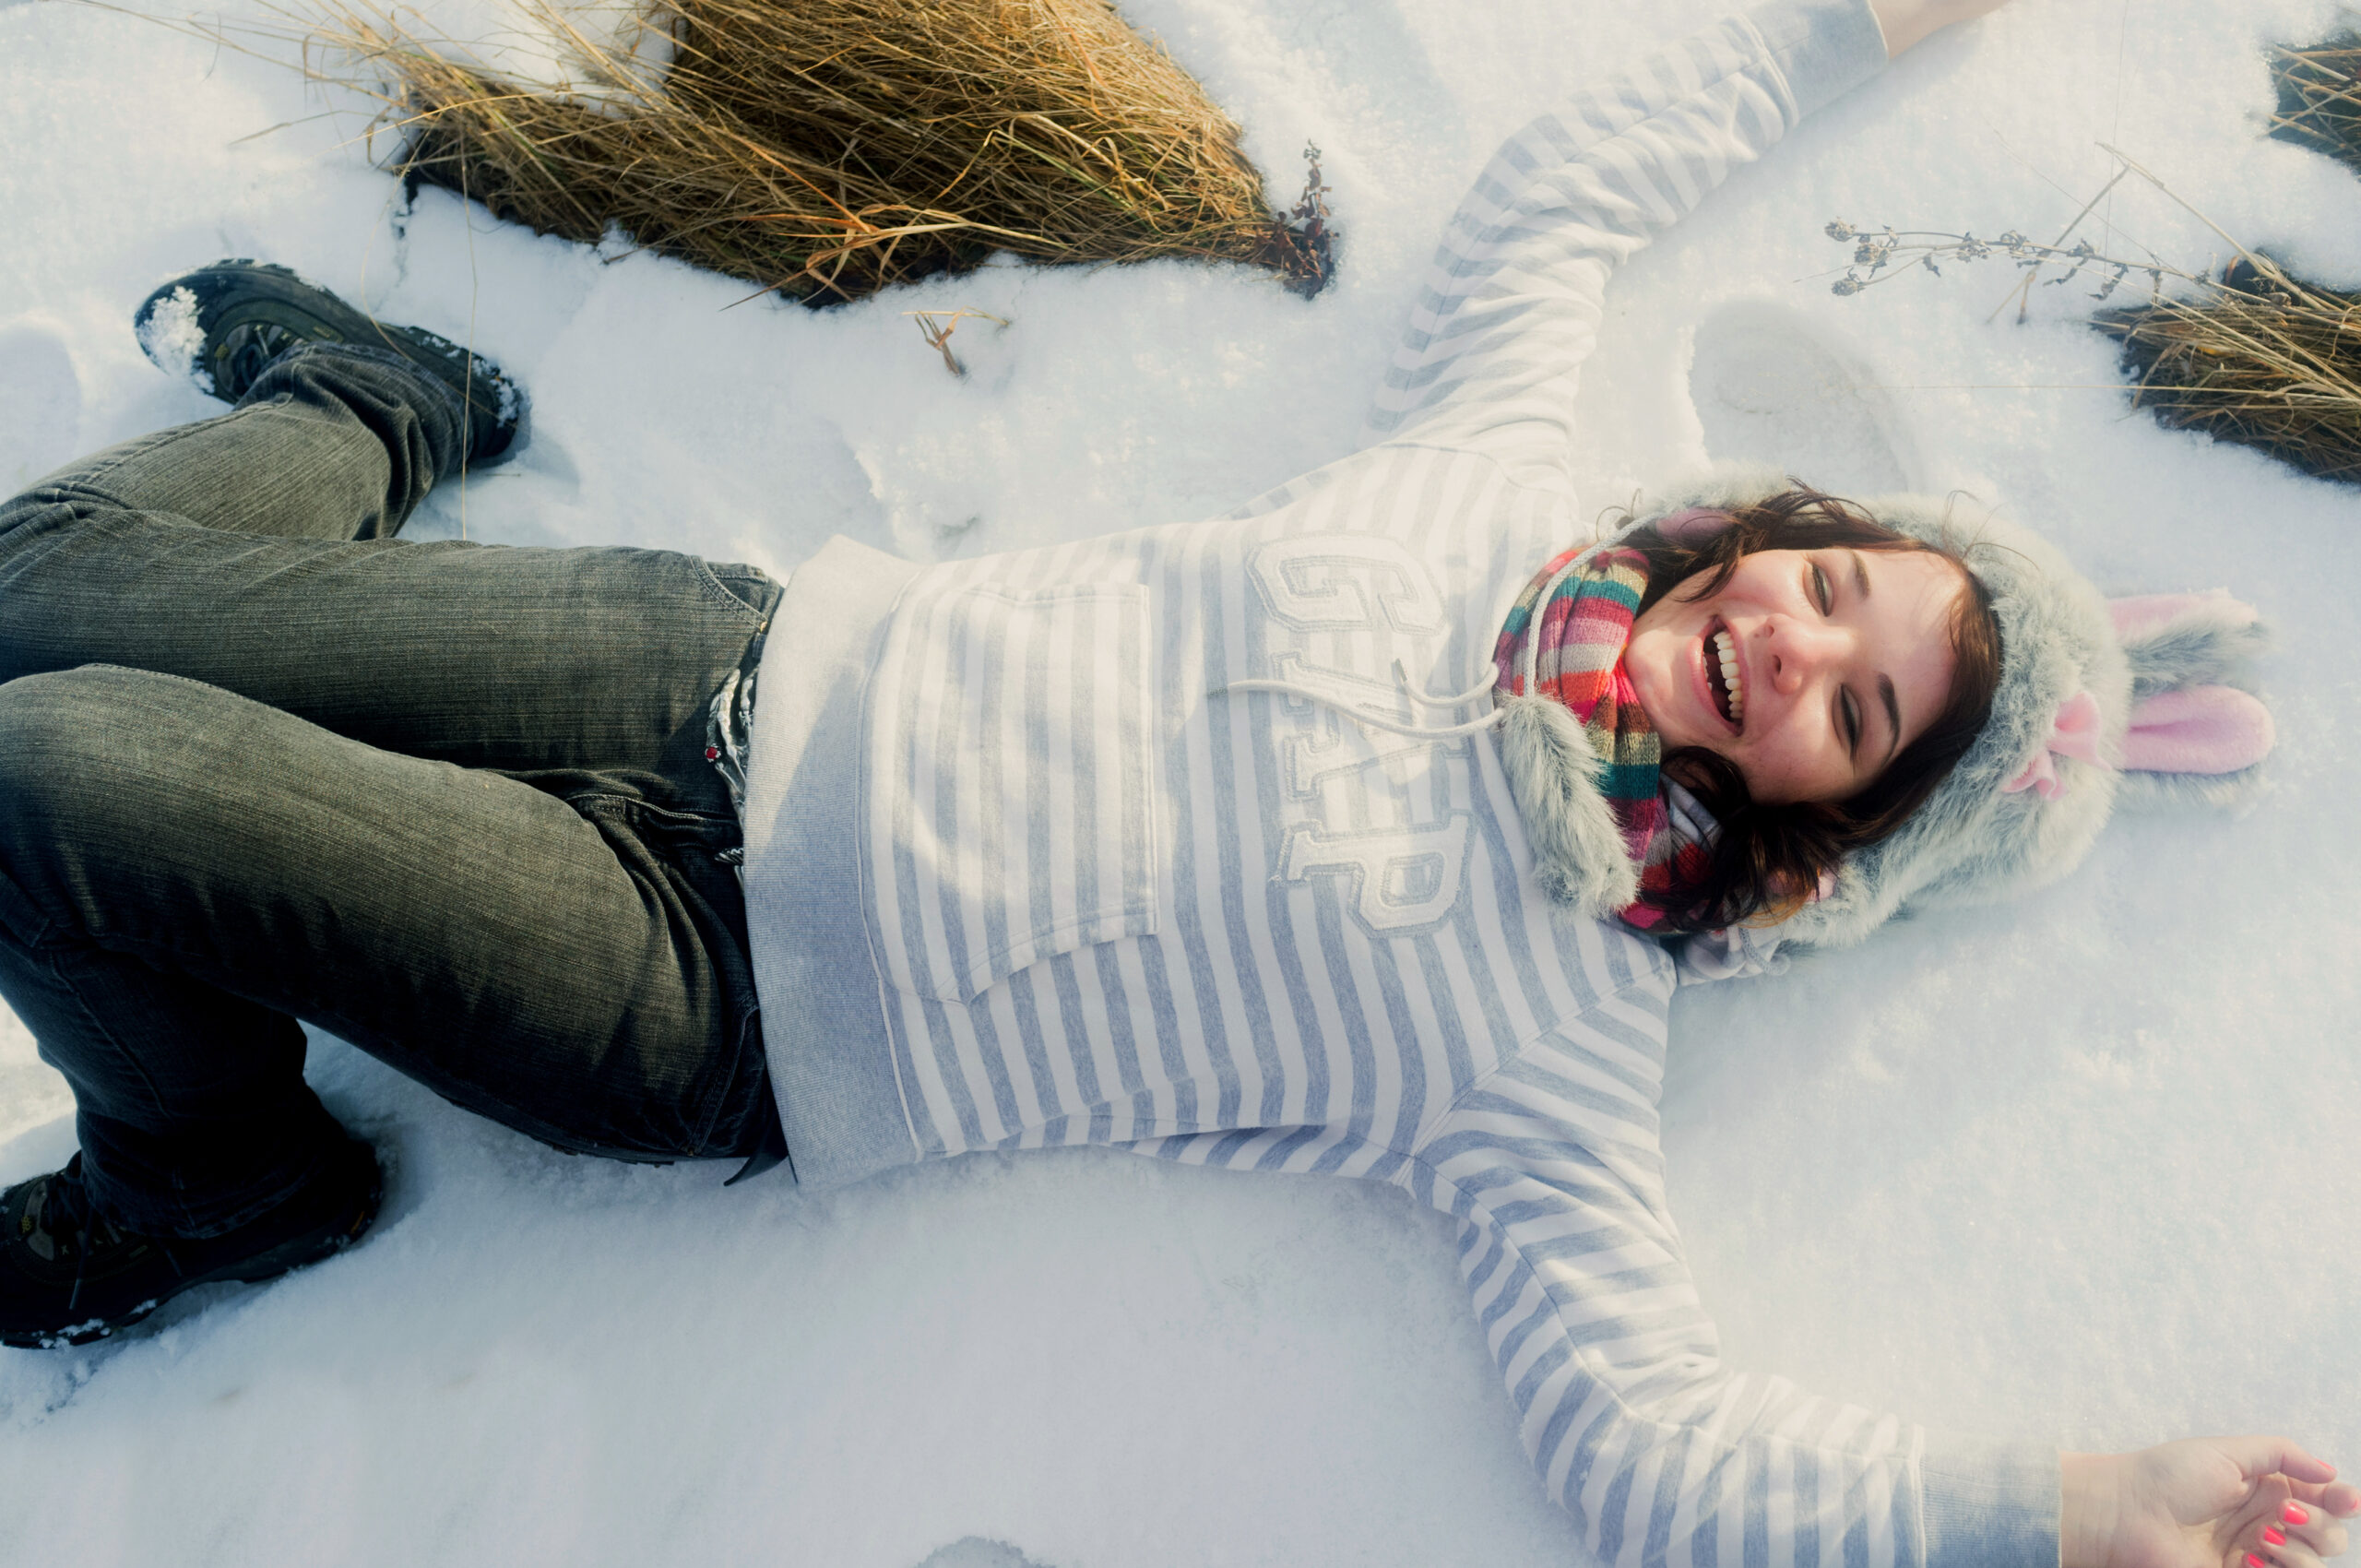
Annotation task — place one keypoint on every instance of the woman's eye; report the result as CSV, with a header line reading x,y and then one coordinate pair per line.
x,y
1821,593
1851,711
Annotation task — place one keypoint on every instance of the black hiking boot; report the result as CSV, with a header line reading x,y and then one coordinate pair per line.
x,y
221,325
68,1276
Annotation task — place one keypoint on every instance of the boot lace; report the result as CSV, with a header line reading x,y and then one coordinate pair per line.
x,y
244,352
61,1224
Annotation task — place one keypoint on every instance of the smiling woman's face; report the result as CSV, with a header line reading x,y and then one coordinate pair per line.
x,y
1810,669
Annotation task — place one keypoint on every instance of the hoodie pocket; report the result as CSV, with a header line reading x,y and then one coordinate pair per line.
x,y
1011,811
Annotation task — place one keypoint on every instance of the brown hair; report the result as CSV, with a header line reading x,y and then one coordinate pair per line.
x,y
1768,860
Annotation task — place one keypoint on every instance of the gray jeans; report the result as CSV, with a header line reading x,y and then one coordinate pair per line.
x,y
260,761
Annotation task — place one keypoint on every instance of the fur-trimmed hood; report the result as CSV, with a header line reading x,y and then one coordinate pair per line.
x,y
2143,700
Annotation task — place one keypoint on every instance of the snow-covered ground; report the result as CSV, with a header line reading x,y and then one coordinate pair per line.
x,y
2079,1169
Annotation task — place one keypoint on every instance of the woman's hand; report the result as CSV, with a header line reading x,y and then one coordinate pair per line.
x,y
2205,1502
1907,21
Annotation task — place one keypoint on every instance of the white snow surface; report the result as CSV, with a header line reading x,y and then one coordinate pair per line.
x,y
2078,1169
171,337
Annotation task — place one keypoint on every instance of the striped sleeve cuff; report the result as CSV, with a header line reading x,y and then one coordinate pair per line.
x,y
1824,48
1991,1505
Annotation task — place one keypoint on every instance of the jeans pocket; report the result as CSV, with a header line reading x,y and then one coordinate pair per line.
x,y
752,587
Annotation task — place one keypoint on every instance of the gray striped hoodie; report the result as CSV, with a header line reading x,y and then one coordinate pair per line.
x,y
1024,870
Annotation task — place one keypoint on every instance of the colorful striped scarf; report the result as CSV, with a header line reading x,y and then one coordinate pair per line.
x,y
1584,630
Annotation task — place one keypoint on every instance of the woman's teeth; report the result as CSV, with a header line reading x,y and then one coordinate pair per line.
x,y
1732,685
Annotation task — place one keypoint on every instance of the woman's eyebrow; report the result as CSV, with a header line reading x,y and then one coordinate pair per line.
x,y
1885,683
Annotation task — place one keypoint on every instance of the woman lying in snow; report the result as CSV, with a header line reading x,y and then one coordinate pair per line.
x,y
1195,840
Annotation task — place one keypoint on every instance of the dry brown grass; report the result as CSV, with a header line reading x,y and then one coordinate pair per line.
x,y
2319,97
2260,357
828,147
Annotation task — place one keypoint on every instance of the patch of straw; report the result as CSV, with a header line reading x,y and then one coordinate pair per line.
x,y
826,149
2319,97
2260,358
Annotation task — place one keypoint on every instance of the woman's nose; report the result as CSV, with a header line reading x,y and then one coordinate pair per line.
x,y
1800,650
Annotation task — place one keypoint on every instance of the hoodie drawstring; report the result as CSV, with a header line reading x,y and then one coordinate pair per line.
x,y
1391,726
1532,654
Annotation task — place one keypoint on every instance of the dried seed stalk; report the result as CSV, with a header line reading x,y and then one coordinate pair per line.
x,y
2255,356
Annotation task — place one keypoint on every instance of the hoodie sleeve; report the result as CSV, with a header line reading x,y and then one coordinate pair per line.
x,y
1660,1452
1510,306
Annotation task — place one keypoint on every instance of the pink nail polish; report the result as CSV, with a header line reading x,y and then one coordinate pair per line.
x,y
2273,1536
2254,1561
2294,1513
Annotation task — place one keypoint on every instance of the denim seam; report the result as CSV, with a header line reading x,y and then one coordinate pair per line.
x,y
741,1005
604,803
60,935
53,961
709,583
717,1097
160,676
253,1208
46,936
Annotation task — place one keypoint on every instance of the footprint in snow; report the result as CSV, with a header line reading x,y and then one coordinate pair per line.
x,y
977,1551
1770,387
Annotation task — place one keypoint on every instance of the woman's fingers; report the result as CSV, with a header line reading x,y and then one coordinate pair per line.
x,y
2262,1455
2343,1499
2339,1498
2303,1514
1904,22
2263,1500
2306,1526
2288,1556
